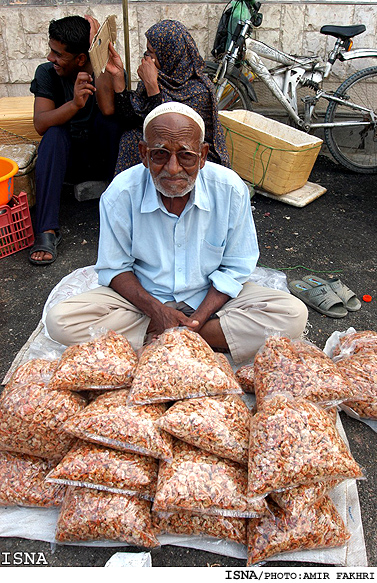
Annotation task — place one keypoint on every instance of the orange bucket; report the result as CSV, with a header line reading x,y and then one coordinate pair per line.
x,y
8,168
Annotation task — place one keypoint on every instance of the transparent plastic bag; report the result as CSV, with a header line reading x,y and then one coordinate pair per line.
x,y
296,500
179,364
202,483
22,482
295,442
102,468
230,528
111,422
106,362
35,370
32,418
245,376
353,342
318,526
224,364
219,425
89,515
299,368
361,369
332,413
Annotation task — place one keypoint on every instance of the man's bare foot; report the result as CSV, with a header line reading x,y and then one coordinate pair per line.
x,y
44,248
42,255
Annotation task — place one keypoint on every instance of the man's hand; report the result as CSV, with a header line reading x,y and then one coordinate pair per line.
x,y
114,65
83,89
94,27
166,318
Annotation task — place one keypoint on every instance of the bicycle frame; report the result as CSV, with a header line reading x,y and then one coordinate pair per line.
x,y
350,119
297,71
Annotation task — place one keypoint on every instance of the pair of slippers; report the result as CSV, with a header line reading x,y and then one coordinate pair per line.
x,y
327,296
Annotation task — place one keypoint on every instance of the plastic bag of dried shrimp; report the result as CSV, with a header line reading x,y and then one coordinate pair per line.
x,y
299,368
295,500
352,342
88,515
361,369
111,422
219,425
318,526
108,361
179,364
102,468
245,376
203,483
294,442
221,527
224,364
22,482
32,418
35,370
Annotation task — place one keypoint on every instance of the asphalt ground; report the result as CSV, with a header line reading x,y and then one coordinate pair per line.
x,y
335,234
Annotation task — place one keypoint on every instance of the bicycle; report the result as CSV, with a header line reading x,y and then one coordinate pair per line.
x,y
350,129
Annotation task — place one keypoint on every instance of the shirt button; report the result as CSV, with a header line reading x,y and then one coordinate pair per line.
x,y
179,268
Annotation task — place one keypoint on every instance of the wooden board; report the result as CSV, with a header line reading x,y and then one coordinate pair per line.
x,y
300,197
16,116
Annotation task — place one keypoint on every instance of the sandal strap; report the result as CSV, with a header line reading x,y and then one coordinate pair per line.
x,y
323,297
46,242
342,291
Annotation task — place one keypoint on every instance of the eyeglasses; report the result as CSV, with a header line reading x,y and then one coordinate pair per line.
x,y
185,158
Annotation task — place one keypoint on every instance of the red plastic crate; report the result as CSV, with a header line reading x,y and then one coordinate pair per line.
x,y
16,230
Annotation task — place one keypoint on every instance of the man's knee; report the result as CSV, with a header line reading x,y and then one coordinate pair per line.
x,y
55,143
56,325
54,135
298,317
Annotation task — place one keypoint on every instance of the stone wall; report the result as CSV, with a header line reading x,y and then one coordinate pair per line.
x,y
292,26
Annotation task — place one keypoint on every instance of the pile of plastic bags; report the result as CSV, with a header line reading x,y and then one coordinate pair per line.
x,y
132,446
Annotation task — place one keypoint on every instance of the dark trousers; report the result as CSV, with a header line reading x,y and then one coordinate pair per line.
x,y
63,158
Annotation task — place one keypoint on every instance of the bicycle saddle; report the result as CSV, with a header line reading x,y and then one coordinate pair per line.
x,y
343,32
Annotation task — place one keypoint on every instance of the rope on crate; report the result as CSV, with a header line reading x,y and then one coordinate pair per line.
x,y
270,149
229,132
11,139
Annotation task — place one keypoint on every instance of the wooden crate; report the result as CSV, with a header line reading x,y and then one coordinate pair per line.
x,y
16,116
267,153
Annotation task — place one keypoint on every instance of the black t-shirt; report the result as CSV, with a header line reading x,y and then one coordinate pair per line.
x,y
47,83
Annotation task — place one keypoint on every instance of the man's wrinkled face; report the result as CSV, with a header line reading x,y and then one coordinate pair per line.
x,y
65,64
174,153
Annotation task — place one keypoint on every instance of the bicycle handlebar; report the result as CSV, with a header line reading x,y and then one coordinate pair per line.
x,y
255,16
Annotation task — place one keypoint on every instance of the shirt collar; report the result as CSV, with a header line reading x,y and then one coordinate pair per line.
x,y
150,201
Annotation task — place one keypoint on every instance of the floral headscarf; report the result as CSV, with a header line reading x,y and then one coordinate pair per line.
x,y
181,78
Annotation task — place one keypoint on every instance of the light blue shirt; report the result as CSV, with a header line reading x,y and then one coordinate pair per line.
x,y
176,258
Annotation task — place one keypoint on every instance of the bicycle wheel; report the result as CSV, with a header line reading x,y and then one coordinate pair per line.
x,y
355,147
234,95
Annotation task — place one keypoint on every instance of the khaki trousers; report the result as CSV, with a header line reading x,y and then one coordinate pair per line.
x,y
246,320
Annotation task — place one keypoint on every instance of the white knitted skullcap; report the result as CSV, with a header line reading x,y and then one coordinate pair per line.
x,y
174,107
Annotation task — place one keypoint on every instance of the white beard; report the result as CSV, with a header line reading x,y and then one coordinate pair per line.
x,y
164,192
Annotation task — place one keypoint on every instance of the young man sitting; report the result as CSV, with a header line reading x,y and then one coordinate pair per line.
x,y
79,143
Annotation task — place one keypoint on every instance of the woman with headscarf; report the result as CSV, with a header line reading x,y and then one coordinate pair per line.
x,y
171,70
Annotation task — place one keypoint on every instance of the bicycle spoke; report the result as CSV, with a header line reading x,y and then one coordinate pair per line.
x,y
355,146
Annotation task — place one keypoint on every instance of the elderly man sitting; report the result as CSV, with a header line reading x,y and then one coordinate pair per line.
x,y
177,246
